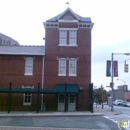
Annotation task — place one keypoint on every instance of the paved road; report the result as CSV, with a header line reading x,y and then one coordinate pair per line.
x,y
57,123
124,110
124,114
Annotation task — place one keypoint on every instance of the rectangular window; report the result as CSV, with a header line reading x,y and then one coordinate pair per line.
x,y
71,98
62,67
27,97
61,98
63,37
72,67
73,37
29,66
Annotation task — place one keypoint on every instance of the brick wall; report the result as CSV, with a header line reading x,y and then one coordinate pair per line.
x,y
82,52
12,69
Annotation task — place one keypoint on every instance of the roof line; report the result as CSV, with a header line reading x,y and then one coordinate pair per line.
x,y
22,53
68,9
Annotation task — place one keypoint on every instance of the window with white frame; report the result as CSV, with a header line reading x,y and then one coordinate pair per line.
x,y
62,67
27,97
72,66
72,37
29,66
67,37
63,37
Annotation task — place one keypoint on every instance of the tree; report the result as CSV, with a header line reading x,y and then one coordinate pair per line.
x,y
100,95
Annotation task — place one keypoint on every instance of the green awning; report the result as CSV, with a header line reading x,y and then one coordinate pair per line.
x,y
68,88
60,88
27,90
48,91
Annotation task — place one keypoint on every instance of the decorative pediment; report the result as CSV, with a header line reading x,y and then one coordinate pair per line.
x,y
69,15
64,19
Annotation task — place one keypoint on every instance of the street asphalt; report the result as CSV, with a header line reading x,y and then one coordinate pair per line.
x,y
58,120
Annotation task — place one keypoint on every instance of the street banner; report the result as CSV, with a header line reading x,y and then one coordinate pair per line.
x,y
108,68
115,65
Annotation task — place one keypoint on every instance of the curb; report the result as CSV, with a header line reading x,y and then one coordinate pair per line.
x,y
49,115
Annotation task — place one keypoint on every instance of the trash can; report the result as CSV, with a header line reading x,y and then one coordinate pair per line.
x,y
109,101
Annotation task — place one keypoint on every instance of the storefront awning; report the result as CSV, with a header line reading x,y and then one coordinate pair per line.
x,y
67,88
60,88
27,90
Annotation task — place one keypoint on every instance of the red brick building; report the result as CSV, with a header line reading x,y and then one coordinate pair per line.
x,y
127,96
22,67
63,69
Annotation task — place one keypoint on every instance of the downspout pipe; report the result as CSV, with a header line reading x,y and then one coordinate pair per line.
x,y
42,81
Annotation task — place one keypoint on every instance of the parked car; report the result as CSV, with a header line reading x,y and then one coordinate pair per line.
x,y
124,103
128,104
118,102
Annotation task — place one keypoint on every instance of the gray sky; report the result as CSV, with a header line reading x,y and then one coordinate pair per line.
x,y
23,21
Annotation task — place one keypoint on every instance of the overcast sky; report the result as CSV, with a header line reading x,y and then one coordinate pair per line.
x,y
23,21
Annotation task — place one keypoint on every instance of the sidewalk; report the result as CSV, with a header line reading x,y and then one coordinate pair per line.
x,y
46,114
97,112
106,110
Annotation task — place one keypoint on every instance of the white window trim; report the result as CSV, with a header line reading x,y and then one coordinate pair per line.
x,y
61,74
59,66
68,44
27,104
72,75
68,28
75,68
65,37
73,37
28,74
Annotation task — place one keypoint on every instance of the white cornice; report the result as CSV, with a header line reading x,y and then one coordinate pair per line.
x,y
68,28
11,53
85,25
51,24
67,21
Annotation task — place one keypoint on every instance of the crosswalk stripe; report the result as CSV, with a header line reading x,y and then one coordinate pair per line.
x,y
111,119
102,125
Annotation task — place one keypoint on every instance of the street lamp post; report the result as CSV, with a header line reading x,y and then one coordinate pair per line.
x,y
112,108
123,81
112,77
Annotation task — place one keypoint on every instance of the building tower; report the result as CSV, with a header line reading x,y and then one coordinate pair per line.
x,y
68,61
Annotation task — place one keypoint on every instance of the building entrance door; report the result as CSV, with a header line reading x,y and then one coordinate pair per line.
x,y
72,102
61,102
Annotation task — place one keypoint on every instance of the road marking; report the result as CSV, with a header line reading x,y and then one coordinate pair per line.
x,y
102,125
106,117
111,119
